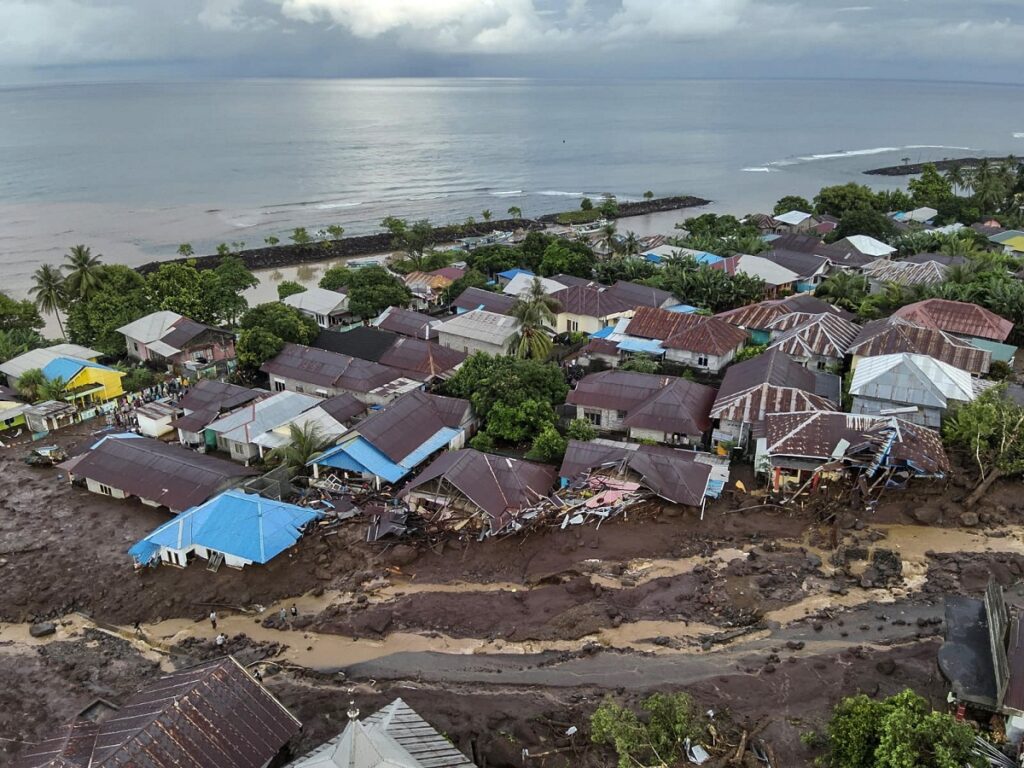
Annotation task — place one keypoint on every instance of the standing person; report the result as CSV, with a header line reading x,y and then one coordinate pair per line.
x,y
221,639
295,611
213,619
137,627
284,616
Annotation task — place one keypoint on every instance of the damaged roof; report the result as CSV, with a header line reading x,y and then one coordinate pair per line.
x,y
894,334
213,715
329,369
219,396
411,420
498,485
824,335
422,360
957,317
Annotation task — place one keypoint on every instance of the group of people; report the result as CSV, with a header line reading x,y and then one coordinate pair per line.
x,y
123,416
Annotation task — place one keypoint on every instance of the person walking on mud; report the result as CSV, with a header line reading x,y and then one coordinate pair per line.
x,y
213,619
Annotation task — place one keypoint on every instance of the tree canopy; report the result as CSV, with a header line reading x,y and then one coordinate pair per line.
x,y
657,738
94,321
792,203
371,290
840,199
705,287
567,257
266,328
18,315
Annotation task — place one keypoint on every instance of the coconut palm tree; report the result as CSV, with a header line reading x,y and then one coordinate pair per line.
x,y
47,292
515,212
844,289
305,443
486,214
53,389
630,244
607,239
988,186
955,177
30,383
535,313
83,272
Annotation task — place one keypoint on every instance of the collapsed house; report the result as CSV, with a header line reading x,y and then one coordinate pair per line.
x,y
474,491
212,715
234,528
807,446
394,737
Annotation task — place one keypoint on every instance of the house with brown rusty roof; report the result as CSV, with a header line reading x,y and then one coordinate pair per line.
x,y
478,298
473,491
588,308
957,317
772,382
428,287
407,322
666,409
819,342
638,295
188,347
213,715
697,341
811,445
882,272
893,335
760,320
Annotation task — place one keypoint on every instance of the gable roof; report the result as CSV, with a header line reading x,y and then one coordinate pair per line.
x,y
252,420
329,369
213,715
957,317
217,395
662,403
318,301
637,295
801,263
478,298
41,357
481,325
236,523
905,272
771,272
151,469
894,334
167,333
939,258
363,342
343,408
67,368
523,283
410,421
762,315
421,359
394,737
867,246
911,379
406,322
792,218
708,335
590,301
823,335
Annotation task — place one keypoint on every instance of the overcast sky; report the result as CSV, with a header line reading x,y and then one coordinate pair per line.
x,y
973,40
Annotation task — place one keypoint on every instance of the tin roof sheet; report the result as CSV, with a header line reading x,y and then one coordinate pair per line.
x,y
957,317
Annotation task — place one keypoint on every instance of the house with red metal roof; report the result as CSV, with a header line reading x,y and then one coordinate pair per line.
x,y
957,317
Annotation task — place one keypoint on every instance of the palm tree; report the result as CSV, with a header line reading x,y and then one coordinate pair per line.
x,y
48,292
535,313
955,177
515,212
631,244
84,272
30,383
989,187
607,240
53,389
486,214
305,443
844,289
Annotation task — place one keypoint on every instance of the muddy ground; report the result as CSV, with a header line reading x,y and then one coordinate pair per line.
x,y
766,614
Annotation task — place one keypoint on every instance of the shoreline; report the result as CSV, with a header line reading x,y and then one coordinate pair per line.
x,y
292,255
912,169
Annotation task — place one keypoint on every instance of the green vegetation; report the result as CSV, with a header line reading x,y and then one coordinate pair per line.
x,y
266,328
844,289
548,446
515,212
305,442
472,279
990,433
655,739
18,315
535,313
628,268
585,216
413,239
94,322
640,364
581,429
300,236
569,257
137,377
371,290
48,292
53,389
901,731
721,235
31,383
83,273
288,288
514,398
792,203
705,287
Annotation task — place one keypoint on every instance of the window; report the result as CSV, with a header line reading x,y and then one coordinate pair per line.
x,y
279,385
299,388
135,346
620,414
573,326
321,393
106,490
594,417
822,365
702,361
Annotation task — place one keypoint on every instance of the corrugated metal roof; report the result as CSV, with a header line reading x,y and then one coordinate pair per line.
x,y
39,358
770,272
957,317
329,369
478,298
762,315
410,421
656,323
905,272
792,218
254,419
362,342
770,367
590,301
868,246
150,469
709,335
421,359
682,407
911,379
637,295
892,335
481,325
151,327
523,283
318,301
218,395
68,367
406,322
823,335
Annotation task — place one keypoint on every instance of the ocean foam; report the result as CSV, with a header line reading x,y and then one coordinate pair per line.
x,y
858,153
1019,135
558,193
508,193
332,206
760,169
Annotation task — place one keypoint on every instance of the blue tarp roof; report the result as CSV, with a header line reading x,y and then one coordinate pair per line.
x,y
236,523
708,258
683,309
508,274
653,258
604,333
650,346
68,367
359,455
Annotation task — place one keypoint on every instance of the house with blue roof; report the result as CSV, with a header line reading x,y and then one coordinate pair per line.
x,y
234,527
85,382
388,445
506,277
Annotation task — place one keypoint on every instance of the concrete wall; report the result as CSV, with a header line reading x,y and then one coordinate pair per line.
x,y
115,493
469,346
713,363
925,416
668,438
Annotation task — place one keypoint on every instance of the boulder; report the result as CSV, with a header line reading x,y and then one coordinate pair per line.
x,y
969,519
42,629
927,515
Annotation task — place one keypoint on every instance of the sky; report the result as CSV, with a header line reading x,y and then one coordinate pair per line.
x,y
68,40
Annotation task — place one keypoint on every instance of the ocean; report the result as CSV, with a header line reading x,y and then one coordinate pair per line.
x,y
135,169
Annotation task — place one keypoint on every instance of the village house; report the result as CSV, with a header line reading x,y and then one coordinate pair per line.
x,y
698,341
49,415
637,295
415,358
12,409
158,474
155,418
192,717
428,288
819,342
390,444
907,274
958,318
204,403
588,309
867,248
778,280
810,269
394,737
86,382
761,320
407,322
39,358
522,284
233,528
818,445
793,221
772,382
478,331
467,489
236,433
297,368
892,335
917,388
329,419
186,347
478,298
328,308
645,406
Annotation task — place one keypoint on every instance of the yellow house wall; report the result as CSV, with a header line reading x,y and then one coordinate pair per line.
x,y
109,379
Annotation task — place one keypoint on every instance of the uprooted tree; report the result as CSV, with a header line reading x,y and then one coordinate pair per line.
x,y
989,430
657,738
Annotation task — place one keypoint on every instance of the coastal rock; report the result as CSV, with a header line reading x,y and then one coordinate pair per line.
x,y
42,629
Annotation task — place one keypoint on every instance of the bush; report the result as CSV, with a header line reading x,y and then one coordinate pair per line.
x,y
138,377
289,288
581,429
482,442
656,739
548,446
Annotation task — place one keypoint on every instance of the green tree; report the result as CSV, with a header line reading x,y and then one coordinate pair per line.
x,y
901,731
648,195
630,244
304,443
515,212
711,289
53,389
185,250
865,221
640,364
548,446
17,341
288,288
413,239
610,271
335,231
371,290
521,422
586,204
271,240
655,741
486,214
491,259
235,275
471,279
94,322
570,258
609,206
840,199
178,287
534,312
581,429
48,292
844,289
83,273
31,383
300,236
19,315
255,346
930,189
792,203
282,321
